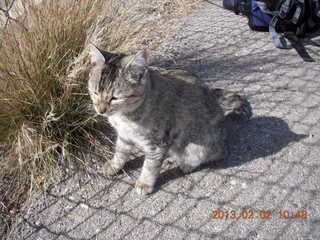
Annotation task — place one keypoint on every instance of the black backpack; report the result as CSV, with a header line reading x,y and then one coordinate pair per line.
x,y
297,21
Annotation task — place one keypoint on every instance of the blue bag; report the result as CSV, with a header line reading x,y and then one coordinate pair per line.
x,y
258,19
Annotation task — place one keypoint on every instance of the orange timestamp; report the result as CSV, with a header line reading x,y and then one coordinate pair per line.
x,y
259,214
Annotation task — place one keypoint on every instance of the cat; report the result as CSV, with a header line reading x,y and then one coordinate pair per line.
x,y
163,113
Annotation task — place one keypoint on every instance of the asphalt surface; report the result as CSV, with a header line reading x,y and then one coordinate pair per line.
x,y
268,187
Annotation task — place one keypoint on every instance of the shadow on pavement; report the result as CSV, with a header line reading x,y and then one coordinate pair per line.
x,y
258,138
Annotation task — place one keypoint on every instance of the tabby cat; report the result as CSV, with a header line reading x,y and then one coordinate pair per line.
x,y
165,114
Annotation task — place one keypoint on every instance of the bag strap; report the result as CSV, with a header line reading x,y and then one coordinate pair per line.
x,y
264,7
285,8
278,39
298,45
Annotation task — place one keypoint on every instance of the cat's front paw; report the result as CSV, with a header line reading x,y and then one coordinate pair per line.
x,y
143,188
110,170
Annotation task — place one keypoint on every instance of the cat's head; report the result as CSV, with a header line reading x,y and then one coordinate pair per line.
x,y
117,81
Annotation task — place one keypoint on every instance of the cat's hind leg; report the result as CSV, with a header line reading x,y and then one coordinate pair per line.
x,y
194,155
207,150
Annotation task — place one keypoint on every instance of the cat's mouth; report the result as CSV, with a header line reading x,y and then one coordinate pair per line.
x,y
107,113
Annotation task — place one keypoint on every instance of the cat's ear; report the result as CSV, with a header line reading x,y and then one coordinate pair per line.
x,y
103,57
141,59
96,56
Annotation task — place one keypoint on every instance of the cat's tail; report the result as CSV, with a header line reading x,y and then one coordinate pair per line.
x,y
235,107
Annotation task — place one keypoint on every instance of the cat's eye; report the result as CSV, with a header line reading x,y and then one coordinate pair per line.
x,y
116,100
113,99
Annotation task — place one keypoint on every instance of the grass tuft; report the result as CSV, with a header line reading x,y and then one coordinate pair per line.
x,y
45,112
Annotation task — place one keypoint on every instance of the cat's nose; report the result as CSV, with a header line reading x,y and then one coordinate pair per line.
x,y
101,108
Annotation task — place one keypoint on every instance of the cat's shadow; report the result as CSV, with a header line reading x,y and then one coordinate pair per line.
x,y
257,138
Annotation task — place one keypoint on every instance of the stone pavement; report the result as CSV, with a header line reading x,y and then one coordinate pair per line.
x,y
270,179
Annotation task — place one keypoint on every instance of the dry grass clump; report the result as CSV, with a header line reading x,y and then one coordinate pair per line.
x,y
45,113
